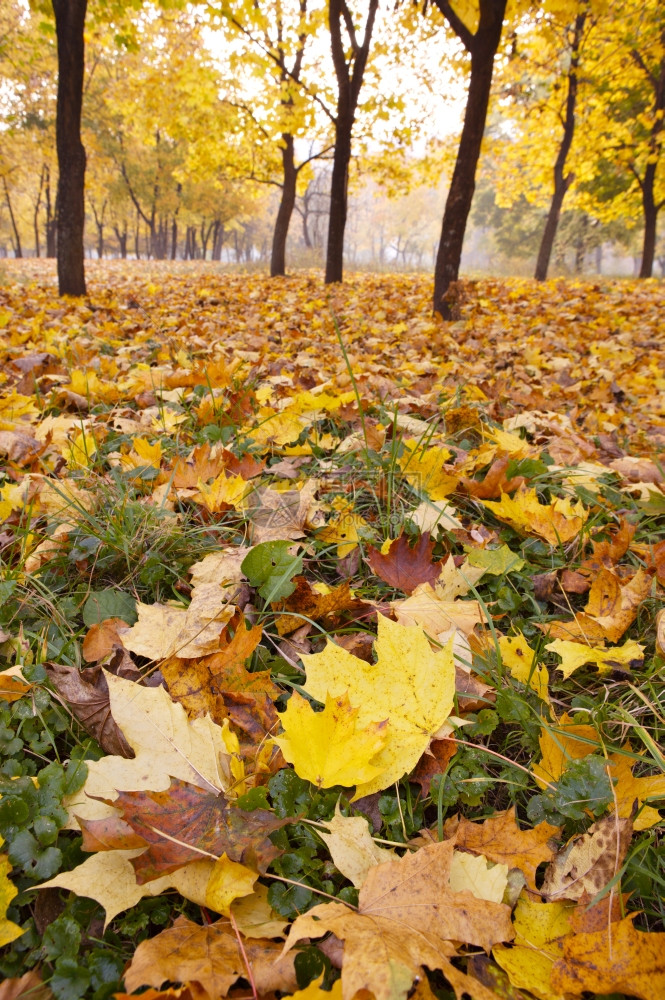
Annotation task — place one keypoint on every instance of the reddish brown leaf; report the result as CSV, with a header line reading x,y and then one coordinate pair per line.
x,y
307,602
186,823
87,694
102,639
434,762
405,566
573,582
494,483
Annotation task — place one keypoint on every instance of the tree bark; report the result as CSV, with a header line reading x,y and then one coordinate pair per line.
x,y
349,73
562,181
650,210
70,209
482,46
286,203
18,250
50,219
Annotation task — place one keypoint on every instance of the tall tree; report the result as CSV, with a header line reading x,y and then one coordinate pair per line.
x,y
70,199
349,55
481,45
563,180
286,111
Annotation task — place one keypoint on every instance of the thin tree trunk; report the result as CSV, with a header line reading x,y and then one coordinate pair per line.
x,y
70,208
562,181
18,251
482,46
38,203
287,201
349,72
50,219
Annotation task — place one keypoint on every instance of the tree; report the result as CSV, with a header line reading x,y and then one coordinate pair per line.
x,y
481,45
562,181
70,199
286,110
349,55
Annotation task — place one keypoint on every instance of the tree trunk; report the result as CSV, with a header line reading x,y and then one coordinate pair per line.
x,y
287,201
339,186
38,203
482,46
70,209
50,219
18,251
650,210
349,73
561,181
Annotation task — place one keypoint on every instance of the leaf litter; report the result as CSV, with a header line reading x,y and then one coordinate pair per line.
x,y
376,646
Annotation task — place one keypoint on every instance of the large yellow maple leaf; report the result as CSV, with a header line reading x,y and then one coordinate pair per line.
x,y
410,685
557,522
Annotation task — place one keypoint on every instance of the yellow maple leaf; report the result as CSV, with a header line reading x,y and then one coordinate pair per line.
x,y
410,685
149,454
224,491
575,654
329,748
13,406
557,522
423,469
630,789
560,745
80,452
521,660
164,630
9,931
539,932
344,529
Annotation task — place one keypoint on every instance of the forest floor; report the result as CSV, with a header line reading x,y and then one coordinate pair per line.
x,y
332,637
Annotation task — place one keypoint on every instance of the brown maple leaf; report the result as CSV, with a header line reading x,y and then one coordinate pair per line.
x,y
211,957
306,602
407,917
182,824
404,566
495,482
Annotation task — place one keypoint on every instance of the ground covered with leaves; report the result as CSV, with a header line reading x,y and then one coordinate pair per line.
x,y
332,658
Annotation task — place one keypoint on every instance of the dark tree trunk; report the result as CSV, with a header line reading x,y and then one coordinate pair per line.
x,y
287,201
218,240
18,250
38,203
339,190
174,237
70,209
122,240
562,181
349,72
482,46
650,211
50,218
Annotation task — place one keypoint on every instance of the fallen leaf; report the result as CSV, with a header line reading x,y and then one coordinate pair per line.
x,y
166,745
557,522
589,863
610,610
405,566
407,918
9,931
540,930
26,987
630,789
331,747
494,482
500,839
617,959
560,744
102,639
522,662
351,847
472,873
255,917
181,824
163,630
211,956
87,694
574,655
410,685
428,608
